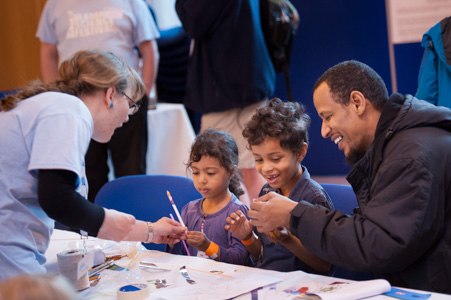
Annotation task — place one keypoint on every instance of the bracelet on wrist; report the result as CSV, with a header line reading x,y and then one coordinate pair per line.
x,y
149,232
212,250
250,240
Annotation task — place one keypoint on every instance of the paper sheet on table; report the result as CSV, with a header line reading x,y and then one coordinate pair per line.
x,y
336,290
218,288
214,280
208,285
353,290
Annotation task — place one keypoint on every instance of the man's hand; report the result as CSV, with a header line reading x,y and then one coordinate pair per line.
x,y
270,212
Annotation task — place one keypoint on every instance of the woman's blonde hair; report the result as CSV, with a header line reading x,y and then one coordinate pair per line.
x,y
84,73
37,287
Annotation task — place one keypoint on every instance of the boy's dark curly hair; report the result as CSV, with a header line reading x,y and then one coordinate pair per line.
x,y
285,121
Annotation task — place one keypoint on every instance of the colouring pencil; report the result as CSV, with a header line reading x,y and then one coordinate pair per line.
x,y
184,244
101,267
175,209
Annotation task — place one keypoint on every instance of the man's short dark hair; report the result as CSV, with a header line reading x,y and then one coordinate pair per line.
x,y
353,75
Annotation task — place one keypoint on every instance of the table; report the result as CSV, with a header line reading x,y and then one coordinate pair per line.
x,y
226,281
170,135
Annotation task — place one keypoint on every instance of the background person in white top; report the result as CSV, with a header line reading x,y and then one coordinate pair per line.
x,y
119,26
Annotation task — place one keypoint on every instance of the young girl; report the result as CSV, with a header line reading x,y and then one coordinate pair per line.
x,y
277,135
213,162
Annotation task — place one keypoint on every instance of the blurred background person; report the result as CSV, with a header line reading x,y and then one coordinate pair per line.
x,y
37,287
434,79
230,72
122,27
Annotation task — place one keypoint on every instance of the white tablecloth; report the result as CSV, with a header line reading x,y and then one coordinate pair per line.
x,y
170,139
234,281
170,135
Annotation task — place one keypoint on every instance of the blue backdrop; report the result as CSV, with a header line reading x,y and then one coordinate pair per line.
x,y
331,32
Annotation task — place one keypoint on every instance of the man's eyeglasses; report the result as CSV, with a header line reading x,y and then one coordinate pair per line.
x,y
133,106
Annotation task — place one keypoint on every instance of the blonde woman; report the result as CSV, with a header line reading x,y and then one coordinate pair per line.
x,y
45,133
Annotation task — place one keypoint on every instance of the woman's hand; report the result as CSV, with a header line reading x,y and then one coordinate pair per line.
x,y
116,225
169,231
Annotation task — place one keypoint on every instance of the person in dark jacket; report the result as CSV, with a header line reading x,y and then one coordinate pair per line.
x,y
230,72
399,149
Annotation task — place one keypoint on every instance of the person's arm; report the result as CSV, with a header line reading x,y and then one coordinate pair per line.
x,y
428,77
235,252
402,221
201,18
49,62
150,58
165,230
200,241
239,226
59,199
271,211
293,244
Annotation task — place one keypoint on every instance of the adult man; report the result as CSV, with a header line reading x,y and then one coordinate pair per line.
x,y
399,149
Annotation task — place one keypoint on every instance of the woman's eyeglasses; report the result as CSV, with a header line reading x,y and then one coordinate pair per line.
x,y
133,106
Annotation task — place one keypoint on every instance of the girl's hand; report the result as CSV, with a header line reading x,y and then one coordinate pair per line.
x,y
198,240
279,235
239,225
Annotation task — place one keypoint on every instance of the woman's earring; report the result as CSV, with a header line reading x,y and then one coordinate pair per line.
x,y
111,105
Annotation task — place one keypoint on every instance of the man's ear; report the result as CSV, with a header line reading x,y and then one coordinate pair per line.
x,y
357,102
302,152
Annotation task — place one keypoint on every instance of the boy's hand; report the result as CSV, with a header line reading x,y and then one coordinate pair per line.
x,y
279,235
239,225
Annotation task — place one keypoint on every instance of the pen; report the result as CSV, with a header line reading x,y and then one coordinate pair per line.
x,y
175,209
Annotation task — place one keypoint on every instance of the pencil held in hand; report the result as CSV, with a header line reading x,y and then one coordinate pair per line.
x,y
184,243
175,209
